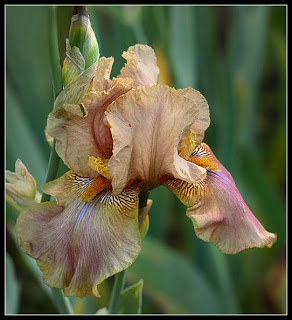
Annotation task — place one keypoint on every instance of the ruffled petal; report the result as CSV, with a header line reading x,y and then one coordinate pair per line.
x,y
141,65
203,120
80,130
101,81
218,211
80,244
146,125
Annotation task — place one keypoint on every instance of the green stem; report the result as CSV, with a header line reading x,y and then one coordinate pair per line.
x,y
120,279
143,197
52,170
62,303
54,52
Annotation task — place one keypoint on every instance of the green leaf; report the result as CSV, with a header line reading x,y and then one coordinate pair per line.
x,y
131,299
21,141
172,281
12,287
182,46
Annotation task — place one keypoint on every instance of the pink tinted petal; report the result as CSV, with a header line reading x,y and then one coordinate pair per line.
x,y
83,243
146,126
141,65
80,130
222,217
218,211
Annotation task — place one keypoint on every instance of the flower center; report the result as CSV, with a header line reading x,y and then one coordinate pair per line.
x,y
205,163
94,188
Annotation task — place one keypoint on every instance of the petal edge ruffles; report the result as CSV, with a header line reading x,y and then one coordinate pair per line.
x,y
219,213
81,244
146,125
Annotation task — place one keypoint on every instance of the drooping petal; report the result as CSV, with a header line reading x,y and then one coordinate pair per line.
x,y
218,211
80,244
141,65
146,125
80,130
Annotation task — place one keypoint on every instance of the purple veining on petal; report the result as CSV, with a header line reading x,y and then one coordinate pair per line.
x,y
81,214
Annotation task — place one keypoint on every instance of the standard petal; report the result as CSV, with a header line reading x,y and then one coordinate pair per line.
x,y
141,65
80,130
81,244
219,213
203,120
101,81
146,125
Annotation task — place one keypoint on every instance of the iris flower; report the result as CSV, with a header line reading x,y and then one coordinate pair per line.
x,y
120,137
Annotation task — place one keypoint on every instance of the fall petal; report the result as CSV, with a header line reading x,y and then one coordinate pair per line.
x,y
68,186
141,65
146,125
80,244
218,211
80,130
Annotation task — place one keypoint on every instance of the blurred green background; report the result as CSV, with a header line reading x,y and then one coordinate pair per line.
x,y
234,55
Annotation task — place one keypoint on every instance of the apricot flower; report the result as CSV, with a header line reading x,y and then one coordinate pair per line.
x,y
119,137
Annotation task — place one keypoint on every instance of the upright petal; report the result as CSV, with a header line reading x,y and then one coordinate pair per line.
x,y
146,125
80,244
218,211
141,65
101,80
80,130
203,120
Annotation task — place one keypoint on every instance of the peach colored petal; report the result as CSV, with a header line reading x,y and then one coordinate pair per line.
x,y
141,65
80,130
101,80
146,125
203,120
218,211
80,244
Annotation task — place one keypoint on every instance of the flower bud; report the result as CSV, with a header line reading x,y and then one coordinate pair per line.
x,y
21,187
81,48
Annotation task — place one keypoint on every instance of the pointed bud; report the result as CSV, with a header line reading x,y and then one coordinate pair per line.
x,y
21,187
81,48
